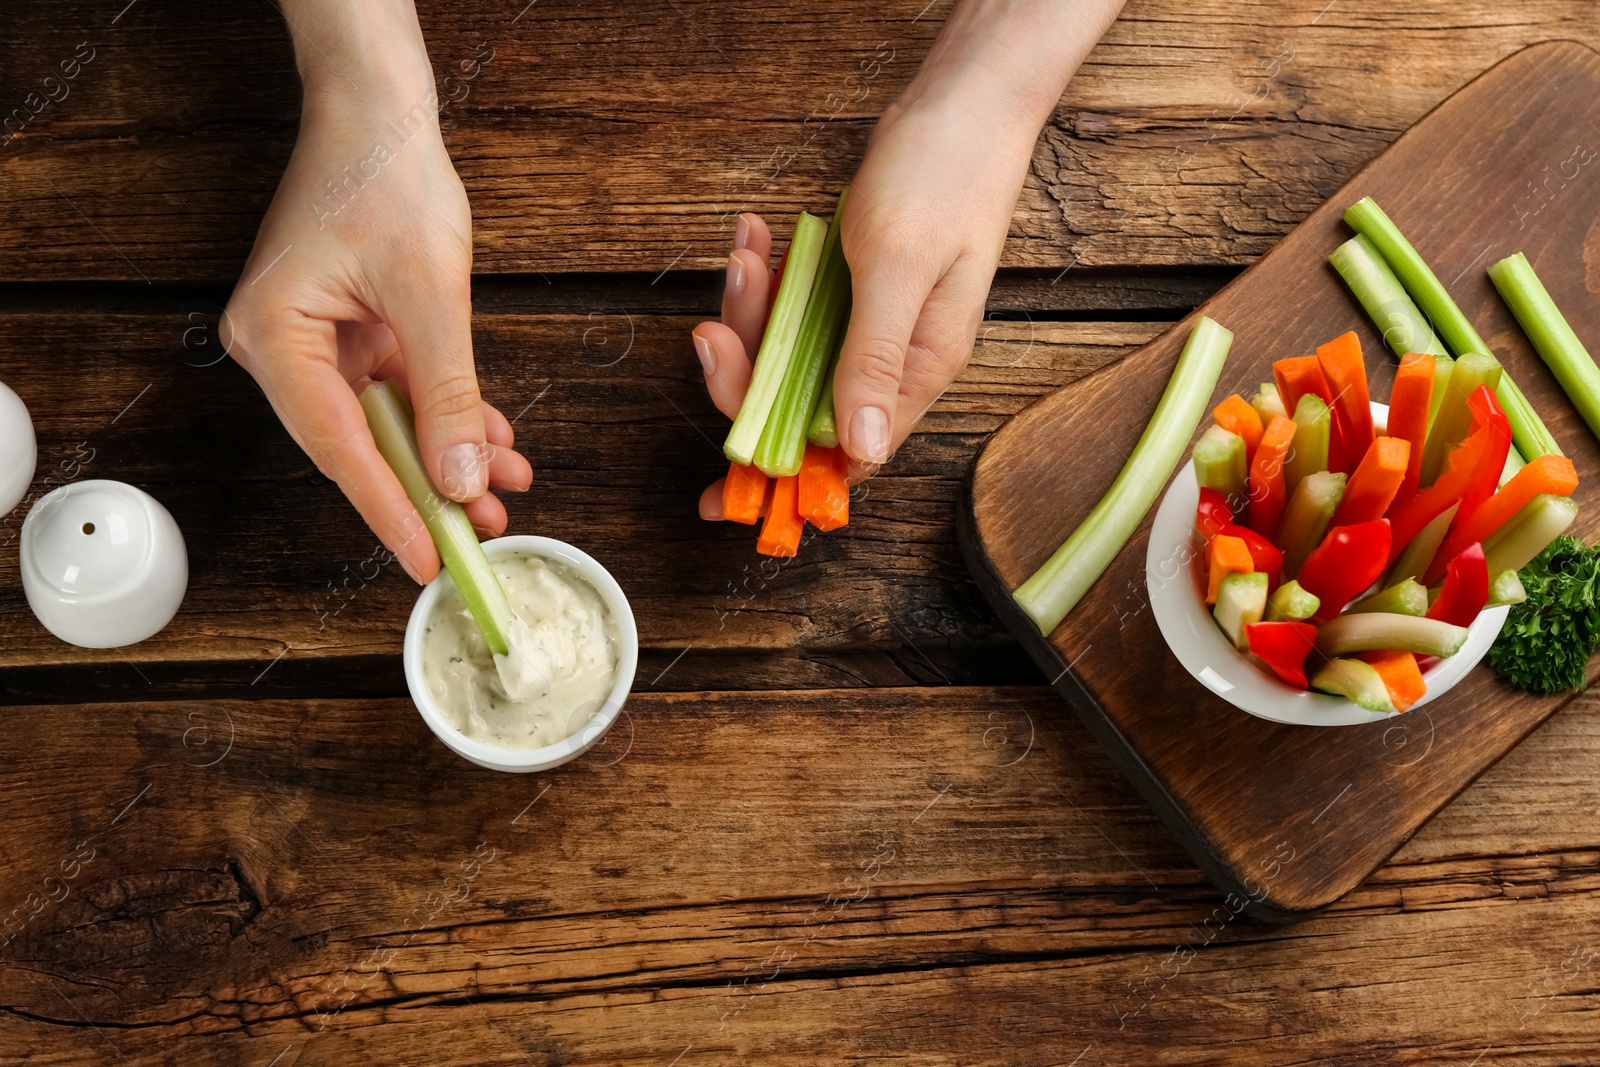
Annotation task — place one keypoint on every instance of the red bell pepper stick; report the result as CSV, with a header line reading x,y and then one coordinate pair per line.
x,y
1465,589
1486,416
1349,559
1213,513
1407,520
1283,646
1263,553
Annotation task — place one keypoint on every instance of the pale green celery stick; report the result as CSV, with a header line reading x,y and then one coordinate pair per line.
x,y
1415,557
783,441
1403,633
1268,403
1406,597
1454,420
1514,463
1308,452
1506,589
393,426
1292,602
1367,218
1055,588
1241,600
1443,370
1541,520
824,431
777,344
1357,681
1550,334
1405,329
1306,517
1219,463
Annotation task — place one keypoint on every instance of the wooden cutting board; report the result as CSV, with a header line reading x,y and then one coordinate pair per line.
x,y
1289,818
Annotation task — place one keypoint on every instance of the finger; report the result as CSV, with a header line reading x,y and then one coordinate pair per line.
x,y
296,371
750,231
509,470
496,429
711,501
886,300
727,368
488,515
431,315
744,297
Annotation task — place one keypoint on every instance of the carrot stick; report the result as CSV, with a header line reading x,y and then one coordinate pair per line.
x,y
824,491
1297,376
1268,492
1227,556
1401,675
1549,473
743,493
780,534
1409,402
1346,374
1237,416
1371,488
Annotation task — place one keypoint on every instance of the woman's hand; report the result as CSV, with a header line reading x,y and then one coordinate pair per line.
x,y
924,225
362,271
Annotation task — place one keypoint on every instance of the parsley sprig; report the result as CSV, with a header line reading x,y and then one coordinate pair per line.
x,y
1547,639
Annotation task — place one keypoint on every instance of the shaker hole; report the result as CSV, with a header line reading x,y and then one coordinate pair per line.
x,y
88,527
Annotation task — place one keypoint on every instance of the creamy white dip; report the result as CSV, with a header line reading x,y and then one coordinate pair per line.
x,y
561,667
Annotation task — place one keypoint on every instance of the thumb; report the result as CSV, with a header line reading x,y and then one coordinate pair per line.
x,y
433,325
886,300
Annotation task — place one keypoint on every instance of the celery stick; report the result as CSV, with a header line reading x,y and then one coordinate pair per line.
x,y
1415,557
1241,600
1506,589
777,344
1308,452
1550,334
1293,602
783,442
1055,588
1405,597
1454,420
1306,518
393,430
1219,463
1357,681
824,431
1403,633
1268,403
1405,329
1541,520
1367,218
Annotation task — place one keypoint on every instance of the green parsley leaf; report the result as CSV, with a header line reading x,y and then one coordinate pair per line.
x,y
1548,639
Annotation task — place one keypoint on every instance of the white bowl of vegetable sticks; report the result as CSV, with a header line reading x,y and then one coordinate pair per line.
x,y
1175,579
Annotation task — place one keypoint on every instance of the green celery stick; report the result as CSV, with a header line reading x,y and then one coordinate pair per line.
x,y
1506,589
1540,521
1415,557
1268,403
1528,433
1406,597
1550,334
777,344
1291,601
1308,452
1055,588
1405,329
1241,600
1357,681
783,442
824,431
1306,517
393,426
1454,420
1219,463
1376,630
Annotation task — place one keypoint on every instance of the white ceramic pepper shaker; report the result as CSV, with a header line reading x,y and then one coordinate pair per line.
x,y
19,454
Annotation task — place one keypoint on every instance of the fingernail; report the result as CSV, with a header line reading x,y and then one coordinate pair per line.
x,y
466,471
415,577
708,358
735,282
869,433
741,232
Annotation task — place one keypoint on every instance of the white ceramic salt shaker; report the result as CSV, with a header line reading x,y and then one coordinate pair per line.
x,y
19,454
103,564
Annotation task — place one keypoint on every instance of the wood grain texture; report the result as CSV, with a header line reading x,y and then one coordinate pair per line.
x,y
794,882
1228,783
620,139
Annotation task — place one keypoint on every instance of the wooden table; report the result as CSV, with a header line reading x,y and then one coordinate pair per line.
x,y
843,818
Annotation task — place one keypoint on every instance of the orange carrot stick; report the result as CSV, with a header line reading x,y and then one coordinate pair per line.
x,y
1297,376
1408,415
824,490
1372,487
1401,676
1267,490
743,493
1346,374
1227,556
780,534
1237,417
1548,474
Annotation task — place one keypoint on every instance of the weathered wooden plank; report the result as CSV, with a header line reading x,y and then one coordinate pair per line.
x,y
619,140
949,876
622,437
